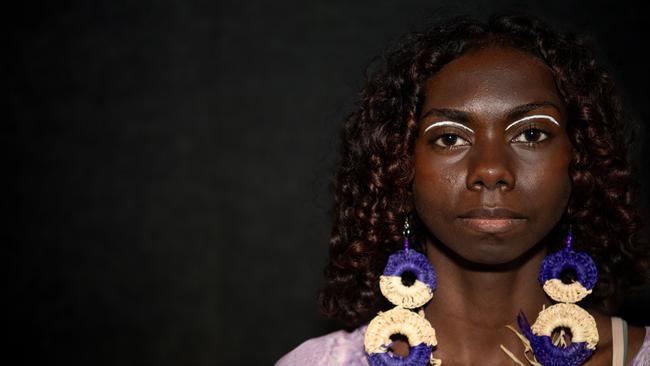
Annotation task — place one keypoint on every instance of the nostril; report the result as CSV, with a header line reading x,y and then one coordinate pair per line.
x,y
489,168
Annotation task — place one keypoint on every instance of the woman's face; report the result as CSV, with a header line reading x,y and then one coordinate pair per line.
x,y
492,155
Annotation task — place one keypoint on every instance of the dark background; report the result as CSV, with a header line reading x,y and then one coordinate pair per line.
x,y
169,165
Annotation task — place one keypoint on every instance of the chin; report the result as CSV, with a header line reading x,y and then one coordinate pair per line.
x,y
490,253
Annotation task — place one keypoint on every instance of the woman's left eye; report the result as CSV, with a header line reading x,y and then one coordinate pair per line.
x,y
531,135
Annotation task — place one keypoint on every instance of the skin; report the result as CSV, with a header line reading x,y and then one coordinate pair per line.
x,y
487,275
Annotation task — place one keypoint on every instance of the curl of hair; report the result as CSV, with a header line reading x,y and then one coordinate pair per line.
x,y
372,186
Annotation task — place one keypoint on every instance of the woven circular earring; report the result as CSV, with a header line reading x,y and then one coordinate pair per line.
x,y
566,314
419,332
563,260
406,293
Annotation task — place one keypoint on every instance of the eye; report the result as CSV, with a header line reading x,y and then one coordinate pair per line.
x,y
531,135
450,140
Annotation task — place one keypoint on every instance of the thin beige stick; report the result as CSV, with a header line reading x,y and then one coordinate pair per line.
x,y
511,355
527,349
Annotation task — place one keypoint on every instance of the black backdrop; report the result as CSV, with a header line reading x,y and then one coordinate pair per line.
x,y
170,161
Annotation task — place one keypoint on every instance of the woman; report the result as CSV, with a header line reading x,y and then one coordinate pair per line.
x,y
495,141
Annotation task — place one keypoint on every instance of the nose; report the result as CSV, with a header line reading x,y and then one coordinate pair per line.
x,y
490,168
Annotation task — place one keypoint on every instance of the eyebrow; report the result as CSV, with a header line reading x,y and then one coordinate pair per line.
x,y
449,123
544,116
452,114
464,117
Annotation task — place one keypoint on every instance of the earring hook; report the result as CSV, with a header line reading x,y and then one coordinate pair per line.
x,y
569,239
406,232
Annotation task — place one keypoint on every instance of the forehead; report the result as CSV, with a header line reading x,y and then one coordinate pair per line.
x,y
491,80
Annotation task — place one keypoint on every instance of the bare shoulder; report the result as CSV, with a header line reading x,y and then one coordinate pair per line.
x,y
636,340
636,337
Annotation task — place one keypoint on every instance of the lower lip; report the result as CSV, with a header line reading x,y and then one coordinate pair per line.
x,y
492,226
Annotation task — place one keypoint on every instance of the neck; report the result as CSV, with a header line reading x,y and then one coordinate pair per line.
x,y
472,306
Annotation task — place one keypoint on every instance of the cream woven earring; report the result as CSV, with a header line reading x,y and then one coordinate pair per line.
x,y
565,314
402,319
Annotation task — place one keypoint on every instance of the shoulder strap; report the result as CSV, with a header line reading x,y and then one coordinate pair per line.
x,y
619,341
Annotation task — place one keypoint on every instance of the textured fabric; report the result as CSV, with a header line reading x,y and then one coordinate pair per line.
x,y
335,349
346,349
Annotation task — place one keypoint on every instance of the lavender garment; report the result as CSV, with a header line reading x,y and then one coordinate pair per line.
x,y
346,349
335,349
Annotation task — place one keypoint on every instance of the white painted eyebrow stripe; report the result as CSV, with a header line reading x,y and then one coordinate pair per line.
x,y
449,123
543,116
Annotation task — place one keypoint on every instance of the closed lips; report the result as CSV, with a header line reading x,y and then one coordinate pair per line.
x,y
492,220
492,213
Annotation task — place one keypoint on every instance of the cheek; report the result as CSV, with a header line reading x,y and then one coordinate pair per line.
x,y
437,186
546,184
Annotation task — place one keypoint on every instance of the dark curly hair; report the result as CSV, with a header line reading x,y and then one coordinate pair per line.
x,y
372,186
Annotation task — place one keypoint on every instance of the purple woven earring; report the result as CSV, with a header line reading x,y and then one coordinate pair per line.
x,y
565,313
568,259
406,295
395,285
